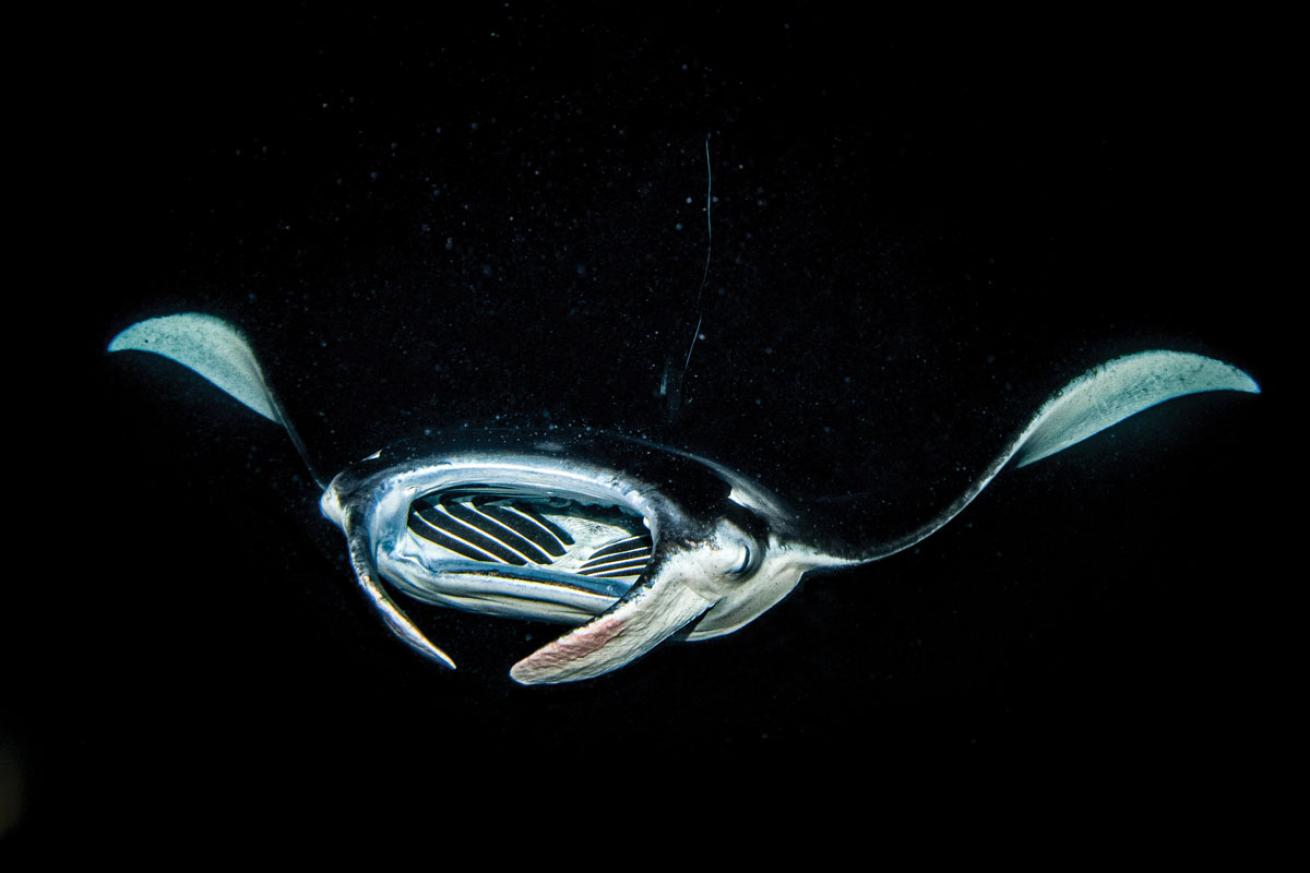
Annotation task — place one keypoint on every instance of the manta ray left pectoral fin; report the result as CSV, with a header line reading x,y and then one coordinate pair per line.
x,y
218,352
209,347
396,620
648,615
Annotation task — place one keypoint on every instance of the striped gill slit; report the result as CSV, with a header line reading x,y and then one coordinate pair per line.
x,y
519,532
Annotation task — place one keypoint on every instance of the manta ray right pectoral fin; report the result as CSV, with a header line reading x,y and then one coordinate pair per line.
x,y
1095,401
649,614
396,620
1110,393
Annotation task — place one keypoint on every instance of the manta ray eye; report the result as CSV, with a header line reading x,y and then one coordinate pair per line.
x,y
744,563
739,553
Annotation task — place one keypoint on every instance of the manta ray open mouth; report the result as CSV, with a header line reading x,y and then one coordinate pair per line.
x,y
518,545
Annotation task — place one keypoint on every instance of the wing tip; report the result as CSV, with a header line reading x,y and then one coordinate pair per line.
x,y
137,337
130,339
1238,379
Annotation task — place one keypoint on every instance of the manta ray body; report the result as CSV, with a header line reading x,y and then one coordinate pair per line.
x,y
631,541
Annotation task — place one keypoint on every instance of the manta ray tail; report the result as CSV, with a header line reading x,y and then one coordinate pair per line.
x,y
215,350
1096,400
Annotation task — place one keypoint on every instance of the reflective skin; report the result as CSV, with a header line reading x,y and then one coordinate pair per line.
x,y
633,542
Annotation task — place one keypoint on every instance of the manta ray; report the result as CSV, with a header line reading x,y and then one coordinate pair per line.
x,y
631,542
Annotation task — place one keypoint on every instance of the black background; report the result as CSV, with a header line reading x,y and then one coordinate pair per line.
x,y
497,216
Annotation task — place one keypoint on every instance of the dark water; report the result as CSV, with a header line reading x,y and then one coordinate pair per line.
x,y
499,218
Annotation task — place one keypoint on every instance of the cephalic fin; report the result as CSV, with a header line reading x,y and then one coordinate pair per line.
x,y
1100,398
650,613
395,619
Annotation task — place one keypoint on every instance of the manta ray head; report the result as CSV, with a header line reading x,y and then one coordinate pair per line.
x,y
700,585
548,535
746,596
